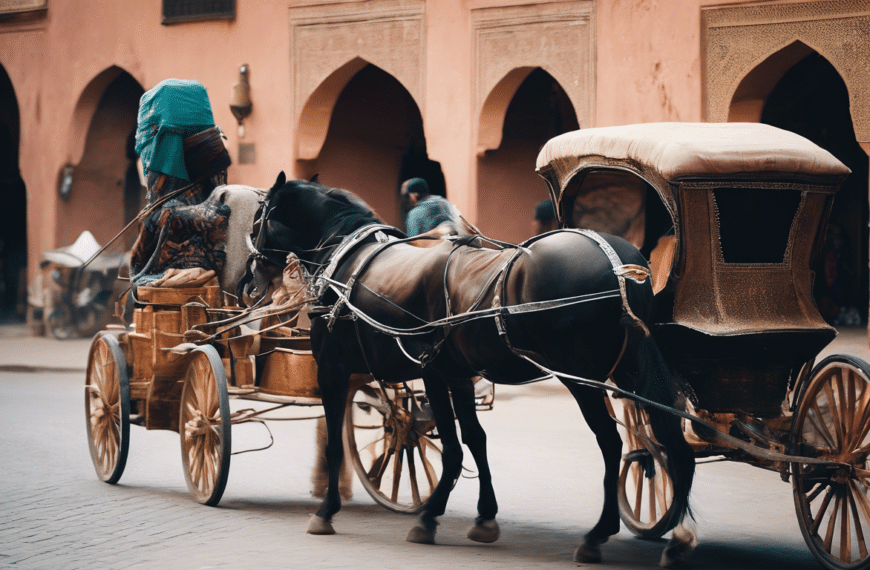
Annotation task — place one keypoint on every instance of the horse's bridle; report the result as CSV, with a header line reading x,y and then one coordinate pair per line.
x,y
260,220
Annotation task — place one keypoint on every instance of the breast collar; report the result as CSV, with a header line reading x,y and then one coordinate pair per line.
x,y
382,233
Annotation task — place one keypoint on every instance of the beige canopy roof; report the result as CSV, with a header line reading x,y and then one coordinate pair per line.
x,y
677,150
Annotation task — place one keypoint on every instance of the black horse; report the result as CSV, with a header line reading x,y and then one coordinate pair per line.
x,y
502,313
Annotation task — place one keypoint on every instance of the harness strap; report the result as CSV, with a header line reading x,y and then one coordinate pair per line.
x,y
349,243
636,273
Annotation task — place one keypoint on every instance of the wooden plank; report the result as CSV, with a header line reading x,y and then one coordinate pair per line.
x,y
177,296
162,409
139,390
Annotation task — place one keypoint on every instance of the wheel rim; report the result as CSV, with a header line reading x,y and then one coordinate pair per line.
x,y
107,408
392,445
645,490
204,426
832,422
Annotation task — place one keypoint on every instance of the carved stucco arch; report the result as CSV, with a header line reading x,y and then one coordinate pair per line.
x,y
389,34
512,41
494,109
84,111
495,106
316,113
740,40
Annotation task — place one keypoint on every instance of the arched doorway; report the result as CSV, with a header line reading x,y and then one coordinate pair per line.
x,y
101,193
811,99
13,212
507,184
375,141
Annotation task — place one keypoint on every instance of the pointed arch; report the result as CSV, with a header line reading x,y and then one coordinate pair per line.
x,y
100,160
494,109
747,102
317,111
85,108
13,213
370,138
525,109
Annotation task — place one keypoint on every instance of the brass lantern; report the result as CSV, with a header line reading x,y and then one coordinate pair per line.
x,y
240,102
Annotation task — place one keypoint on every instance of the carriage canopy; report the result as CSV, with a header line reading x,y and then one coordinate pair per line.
x,y
677,151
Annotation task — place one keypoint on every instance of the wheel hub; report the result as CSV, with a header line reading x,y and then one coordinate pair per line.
x,y
198,426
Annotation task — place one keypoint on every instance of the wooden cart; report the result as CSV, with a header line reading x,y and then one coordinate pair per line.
x,y
137,375
736,318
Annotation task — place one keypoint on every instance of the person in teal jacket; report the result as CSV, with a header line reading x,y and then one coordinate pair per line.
x,y
429,211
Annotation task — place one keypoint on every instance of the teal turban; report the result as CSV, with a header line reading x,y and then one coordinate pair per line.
x,y
168,113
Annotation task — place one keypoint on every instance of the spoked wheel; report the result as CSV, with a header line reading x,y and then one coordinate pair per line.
x,y
832,422
107,407
393,445
645,491
205,426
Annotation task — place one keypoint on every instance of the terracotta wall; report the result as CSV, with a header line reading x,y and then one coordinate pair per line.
x,y
645,64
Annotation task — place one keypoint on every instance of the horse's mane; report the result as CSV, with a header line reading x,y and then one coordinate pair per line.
x,y
345,211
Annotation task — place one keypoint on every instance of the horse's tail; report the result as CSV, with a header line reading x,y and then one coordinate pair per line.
x,y
651,378
656,383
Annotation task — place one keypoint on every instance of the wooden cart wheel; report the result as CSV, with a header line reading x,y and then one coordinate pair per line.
x,y
390,436
832,422
205,427
107,407
645,491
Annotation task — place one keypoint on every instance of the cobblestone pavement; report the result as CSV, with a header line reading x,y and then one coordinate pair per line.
x,y
54,513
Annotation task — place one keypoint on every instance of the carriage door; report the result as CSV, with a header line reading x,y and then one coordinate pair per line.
x,y
13,212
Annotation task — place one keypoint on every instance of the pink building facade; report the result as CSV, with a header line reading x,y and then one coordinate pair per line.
x,y
461,92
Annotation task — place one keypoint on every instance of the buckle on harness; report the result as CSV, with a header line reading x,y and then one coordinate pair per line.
x,y
636,273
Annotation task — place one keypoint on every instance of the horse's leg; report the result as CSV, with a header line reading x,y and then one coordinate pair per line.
x,y
485,528
451,458
595,412
332,377
320,473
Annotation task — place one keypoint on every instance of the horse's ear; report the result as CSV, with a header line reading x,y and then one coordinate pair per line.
x,y
281,180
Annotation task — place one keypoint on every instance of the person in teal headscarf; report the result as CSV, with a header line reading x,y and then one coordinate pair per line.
x,y
181,149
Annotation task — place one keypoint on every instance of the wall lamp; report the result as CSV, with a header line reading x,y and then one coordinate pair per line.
x,y
240,102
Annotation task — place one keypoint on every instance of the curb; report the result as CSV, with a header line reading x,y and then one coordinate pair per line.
x,y
27,369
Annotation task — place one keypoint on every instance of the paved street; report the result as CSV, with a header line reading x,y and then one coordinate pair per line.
x,y
55,513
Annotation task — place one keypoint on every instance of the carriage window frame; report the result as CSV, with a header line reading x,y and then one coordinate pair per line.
x,y
803,189
196,11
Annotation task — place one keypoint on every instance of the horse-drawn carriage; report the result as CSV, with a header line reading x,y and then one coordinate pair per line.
x,y
730,308
735,316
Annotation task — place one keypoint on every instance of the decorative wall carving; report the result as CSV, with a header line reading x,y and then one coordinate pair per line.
x,y
558,37
739,38
325,38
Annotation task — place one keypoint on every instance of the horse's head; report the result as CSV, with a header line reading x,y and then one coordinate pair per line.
x,y
302,218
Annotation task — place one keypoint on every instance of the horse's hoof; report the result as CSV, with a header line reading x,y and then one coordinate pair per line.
x,y
682,543
484,531
420,535
587,553
317,525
